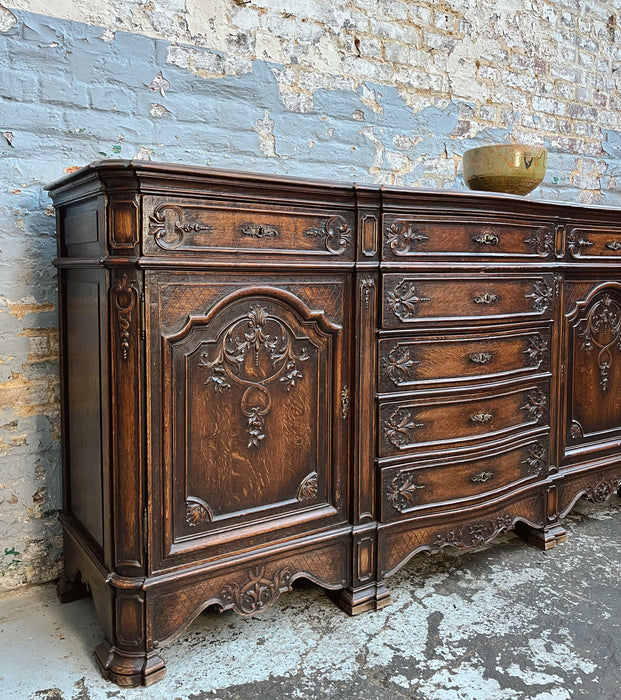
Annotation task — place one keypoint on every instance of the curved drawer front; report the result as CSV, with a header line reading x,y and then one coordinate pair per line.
x,y
411,299
590,242
418,237
190,226
410,363
448,422
406,489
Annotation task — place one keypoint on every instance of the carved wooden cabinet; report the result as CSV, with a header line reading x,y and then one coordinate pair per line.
x,y
266,379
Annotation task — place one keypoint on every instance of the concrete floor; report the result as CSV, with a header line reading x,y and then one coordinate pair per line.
x,y
501,623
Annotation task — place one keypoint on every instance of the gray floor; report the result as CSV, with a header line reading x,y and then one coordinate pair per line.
x,y
501,623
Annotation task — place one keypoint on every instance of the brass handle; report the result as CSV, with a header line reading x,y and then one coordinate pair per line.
x,y
613,245
481,358
481,418
482,477
486,298
486,238
259,231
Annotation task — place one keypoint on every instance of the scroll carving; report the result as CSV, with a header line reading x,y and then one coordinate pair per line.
x,y
124,299
335,233
475,534
258,593
168,227
600,491
399,427
238,359
404,299
576,244
402,236
601,332
542,240
401,491
398,364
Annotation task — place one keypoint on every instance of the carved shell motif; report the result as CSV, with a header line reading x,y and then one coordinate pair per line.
x,y
258,593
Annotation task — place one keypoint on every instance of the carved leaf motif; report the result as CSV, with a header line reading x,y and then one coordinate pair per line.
x,y
602,331
536,350
402,236
168,227
541,296
535,405
536,460
404,299
475,534
576,244
124,298
600,491
398,365
401,491
366,285
258,593
542,240
398,428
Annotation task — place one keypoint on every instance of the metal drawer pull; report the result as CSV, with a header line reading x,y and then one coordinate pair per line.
x,y
482,477
486,298
613,245
486,239
481,358
259,231
481,418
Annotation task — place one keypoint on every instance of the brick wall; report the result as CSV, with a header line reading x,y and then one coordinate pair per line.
x,y
390,91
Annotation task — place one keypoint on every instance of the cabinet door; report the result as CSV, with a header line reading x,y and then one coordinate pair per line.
x,y
249,429
592,347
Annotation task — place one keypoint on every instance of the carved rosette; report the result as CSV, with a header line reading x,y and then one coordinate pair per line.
x,y
401,491
335,233
536,460
542,240
535,405
124,301
537,350
258,593
475,534
168,227
398,364
253,352
308,489
602,490
400,425
541,296
404,300
601,331
402,237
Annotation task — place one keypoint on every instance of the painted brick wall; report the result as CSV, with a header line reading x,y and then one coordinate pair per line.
x,y
386,91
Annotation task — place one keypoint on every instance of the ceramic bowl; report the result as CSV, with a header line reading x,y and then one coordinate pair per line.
x,y
511,168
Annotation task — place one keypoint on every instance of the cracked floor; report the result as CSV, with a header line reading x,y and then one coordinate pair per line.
x,y
505,622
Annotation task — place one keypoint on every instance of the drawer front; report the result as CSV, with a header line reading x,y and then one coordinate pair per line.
x,y
410,363
448,422
406,489
420,237
410,299
590,242
215,227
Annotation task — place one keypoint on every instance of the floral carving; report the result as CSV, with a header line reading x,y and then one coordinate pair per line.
x,y
366,285
401,491
536,459
402,236
258,593
168,227
404,299
541,296
398,428
308,489
542,240
536,350
335,233
252,352
475,534
535,405
398,365
600,491
602,332
124,298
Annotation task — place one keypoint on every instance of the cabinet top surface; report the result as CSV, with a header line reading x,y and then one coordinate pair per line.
x,y
169,178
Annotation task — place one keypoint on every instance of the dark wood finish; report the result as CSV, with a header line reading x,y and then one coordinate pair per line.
x,y
267,378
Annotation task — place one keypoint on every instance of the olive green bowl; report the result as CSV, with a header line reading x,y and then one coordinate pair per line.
x,y
511,168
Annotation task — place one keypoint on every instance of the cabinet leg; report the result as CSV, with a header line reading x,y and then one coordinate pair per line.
x,y
129,668
545,538
358,600
69,590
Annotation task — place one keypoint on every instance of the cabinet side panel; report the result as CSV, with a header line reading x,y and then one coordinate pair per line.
x,y
83,392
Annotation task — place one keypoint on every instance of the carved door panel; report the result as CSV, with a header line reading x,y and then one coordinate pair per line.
x,y
592,340
249,435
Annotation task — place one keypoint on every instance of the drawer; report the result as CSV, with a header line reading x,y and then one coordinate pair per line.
x,y
408,488
408,300
435,237
217,227
410,363
591,242
448,422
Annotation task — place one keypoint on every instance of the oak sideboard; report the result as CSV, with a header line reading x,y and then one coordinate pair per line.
x,y
269,378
